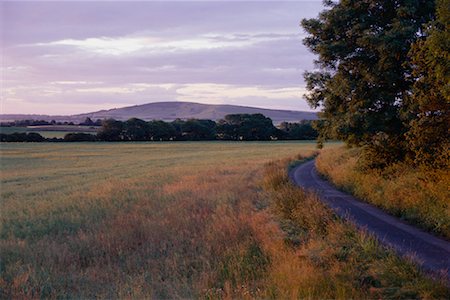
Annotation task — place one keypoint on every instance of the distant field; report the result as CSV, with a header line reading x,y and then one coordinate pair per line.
x,y
49,131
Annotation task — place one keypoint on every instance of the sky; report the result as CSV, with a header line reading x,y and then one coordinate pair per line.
x,y
63,57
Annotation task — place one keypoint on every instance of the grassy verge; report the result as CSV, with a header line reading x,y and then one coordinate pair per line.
x,y
329,258
417,196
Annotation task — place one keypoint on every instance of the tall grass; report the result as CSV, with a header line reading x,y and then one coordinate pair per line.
x,y
188,220
416,195
329,259
136,220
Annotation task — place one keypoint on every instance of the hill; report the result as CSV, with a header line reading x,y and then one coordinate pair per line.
x,y
169,111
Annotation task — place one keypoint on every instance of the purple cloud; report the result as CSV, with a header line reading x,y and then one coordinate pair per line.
x,y
70,57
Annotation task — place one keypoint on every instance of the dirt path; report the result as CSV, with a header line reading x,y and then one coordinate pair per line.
x,y
429,251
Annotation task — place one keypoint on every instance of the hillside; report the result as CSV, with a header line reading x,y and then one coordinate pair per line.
x,y
169,111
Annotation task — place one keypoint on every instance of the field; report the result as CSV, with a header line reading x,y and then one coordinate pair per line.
x,y
48,131
181,220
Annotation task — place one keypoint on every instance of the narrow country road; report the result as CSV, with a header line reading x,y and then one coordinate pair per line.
x,y
429,251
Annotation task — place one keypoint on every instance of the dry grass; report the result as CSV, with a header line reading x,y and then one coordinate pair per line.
x,y
418,196
172,220
329,259
187,220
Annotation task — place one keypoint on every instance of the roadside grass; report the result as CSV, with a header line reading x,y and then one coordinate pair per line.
x,y
329,258
206,220
420,197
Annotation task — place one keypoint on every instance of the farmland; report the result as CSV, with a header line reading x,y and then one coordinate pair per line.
x,y
181,220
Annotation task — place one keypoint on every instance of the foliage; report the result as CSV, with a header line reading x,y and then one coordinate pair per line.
x,y
429,107
111,130
21,137
298,131
135,130
362,47
197,130
246,127
161,131
80,137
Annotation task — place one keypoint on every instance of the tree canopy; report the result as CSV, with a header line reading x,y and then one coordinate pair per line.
x,y
429,107
364,77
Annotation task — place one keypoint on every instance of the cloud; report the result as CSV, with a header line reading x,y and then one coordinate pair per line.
x,y
116,53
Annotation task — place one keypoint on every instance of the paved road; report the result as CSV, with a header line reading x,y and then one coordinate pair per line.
x,y
431,252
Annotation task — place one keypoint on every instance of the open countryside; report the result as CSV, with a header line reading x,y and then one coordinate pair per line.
x,y
218,150
181,220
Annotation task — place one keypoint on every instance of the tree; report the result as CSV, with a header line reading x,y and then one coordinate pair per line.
x,y
136,130
161,131
111,130
79,137
429,107
194,130
249,127
298,131
362,47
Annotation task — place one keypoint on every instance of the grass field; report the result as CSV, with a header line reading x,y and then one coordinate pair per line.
x,y
180,220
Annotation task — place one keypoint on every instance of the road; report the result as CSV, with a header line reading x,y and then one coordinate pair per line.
x,y
431,252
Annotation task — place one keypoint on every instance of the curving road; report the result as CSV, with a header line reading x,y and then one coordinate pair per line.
x,y
429,251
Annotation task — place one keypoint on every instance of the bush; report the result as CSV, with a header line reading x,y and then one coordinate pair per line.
x,y
80,137
22,137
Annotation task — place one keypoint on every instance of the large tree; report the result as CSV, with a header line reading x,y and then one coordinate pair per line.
x,y
361,82
429,107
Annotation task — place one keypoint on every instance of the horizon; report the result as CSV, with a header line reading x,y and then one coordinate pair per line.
x,y
68,58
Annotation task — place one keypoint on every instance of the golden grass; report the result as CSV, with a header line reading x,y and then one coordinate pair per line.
x,y
180,220
418,196
162,220
329,258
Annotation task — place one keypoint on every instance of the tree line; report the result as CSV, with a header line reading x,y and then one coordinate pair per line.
x,y
383,78
24,123
233,127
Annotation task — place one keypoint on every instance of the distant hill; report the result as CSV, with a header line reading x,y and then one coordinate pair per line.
x,y
169,111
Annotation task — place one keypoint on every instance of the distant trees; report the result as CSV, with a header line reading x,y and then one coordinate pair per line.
x,y
22,137
248,127
365,78
237,127
80,137
244,127
161,131
111,131
135,130
197,130
88,122
298,131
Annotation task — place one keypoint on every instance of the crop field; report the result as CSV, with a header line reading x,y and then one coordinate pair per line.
x,y
181,220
